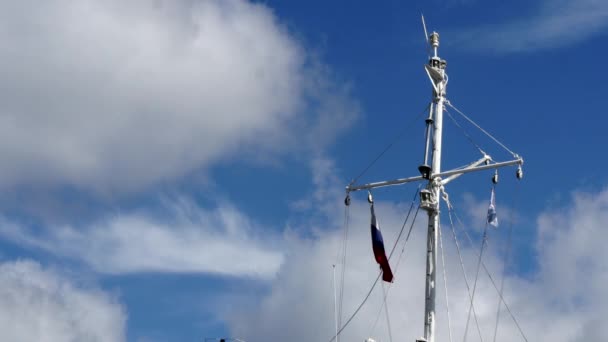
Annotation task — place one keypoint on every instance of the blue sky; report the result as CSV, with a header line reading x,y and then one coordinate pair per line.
x,y
175,170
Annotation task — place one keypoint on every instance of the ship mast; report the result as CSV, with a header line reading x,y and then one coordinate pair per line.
x,y
436,179
436,71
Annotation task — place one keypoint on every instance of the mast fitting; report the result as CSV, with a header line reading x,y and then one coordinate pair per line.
x,y
428,196
495,177
434,39
519,173
425,171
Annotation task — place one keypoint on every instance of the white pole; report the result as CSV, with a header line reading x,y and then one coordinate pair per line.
x,y
335,303
435,187
437,134
431,263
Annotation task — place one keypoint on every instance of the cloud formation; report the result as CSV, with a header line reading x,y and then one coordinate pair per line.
x,y
41,305
556,23
571,246
116,96
189,239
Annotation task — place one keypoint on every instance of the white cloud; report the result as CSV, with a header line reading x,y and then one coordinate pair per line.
x,y
564,301
115,95
191,240
571,242
42,305
556,23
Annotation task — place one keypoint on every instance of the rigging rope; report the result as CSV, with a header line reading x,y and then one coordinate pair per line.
x,y
404,222
481,129
358,308
407,237
464,273
445,283
388,321
483,243
494,283
343,263
465,133
388,147
335,303
505,262
380,272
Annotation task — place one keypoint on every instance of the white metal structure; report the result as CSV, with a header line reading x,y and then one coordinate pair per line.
x,y
436,179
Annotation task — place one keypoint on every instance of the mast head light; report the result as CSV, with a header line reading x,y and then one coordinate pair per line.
x,y
427,200
434,39
425,171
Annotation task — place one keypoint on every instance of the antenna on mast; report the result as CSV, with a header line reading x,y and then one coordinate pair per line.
x,y
426,36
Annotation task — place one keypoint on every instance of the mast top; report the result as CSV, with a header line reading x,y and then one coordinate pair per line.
x,y
434,41
434,38
436,64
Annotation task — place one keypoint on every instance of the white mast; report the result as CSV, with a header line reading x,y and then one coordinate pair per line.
x,y
436,71
429,197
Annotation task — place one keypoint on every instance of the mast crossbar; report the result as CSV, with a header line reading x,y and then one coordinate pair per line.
x,y
369,186
518,161
474,167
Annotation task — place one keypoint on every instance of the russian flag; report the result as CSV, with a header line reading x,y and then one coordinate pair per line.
x,y
378,247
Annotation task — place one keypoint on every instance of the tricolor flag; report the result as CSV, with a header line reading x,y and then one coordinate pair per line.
x,y
492,218
378,247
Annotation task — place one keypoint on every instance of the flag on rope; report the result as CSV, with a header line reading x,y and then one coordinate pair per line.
x,y
378,247
492,218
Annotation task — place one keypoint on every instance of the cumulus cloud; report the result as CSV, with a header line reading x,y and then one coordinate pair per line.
x,y
189,239
566,293
571,244
41,305
556,23
115,96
